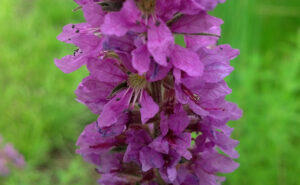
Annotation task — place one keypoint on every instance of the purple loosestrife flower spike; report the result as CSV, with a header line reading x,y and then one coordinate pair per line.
x,y
162,112
9,157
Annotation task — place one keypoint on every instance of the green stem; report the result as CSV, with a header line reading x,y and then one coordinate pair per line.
x,y
174,19
157,97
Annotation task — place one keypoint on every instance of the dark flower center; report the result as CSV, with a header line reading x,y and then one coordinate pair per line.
x,y
146,6
137,82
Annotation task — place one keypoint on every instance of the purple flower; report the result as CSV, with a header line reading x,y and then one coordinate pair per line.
x,y
112,179
9,157
173,137
135,17
151,94
89,45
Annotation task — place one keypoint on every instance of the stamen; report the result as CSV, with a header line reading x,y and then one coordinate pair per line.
x,y
191,95
136,94
137,82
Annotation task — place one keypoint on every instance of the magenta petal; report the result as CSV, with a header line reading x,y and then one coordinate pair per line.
x,y
119,23
69,32
216,72
209,4
149,107
227,51
199,23
113,109
167,8
196,42
179,120
113,25
160,41
172,173
112,179
198,109
187,60
190,7
141,59
150,159
136,140
106,71
181,145
180,96
233,111
207,91
157,72
215,162
93,14
70,63
227,145
160,145
93,93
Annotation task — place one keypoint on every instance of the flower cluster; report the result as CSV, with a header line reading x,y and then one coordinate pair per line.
x,y
162,108
9,157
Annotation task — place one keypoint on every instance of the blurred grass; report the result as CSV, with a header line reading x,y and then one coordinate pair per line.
x,y
38,111
40,116
266,86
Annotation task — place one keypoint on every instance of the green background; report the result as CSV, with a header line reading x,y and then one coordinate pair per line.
x,y
39,115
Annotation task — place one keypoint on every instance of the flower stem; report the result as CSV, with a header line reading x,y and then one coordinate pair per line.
x,y
157,97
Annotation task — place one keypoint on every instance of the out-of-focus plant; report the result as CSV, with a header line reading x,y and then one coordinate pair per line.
x,y
9,158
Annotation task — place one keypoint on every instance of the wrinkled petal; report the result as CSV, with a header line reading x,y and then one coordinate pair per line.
x,y
199,23
227,144
93,14
160,41
179,120
181,145
216,72
112,179
198,109
113,109
187,61
70,63
160,145
207,91
136,140
93,93
157,72
148,107
195,42
70,31
106,71
141,59
172,174
150,159
119,23
215,162
209,4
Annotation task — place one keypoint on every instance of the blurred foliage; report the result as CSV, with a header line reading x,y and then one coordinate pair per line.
x,y
40,116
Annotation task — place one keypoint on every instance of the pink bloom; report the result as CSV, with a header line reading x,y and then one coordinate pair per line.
x,y
9,157
151,94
